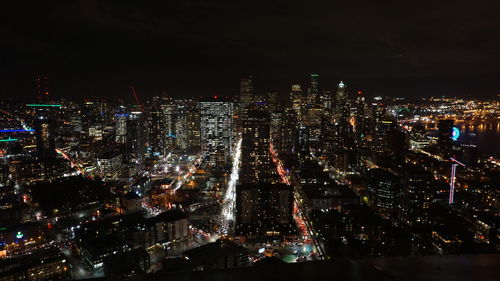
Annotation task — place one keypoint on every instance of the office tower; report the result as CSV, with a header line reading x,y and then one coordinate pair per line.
x,y
384,189
264,210
187,125
297,100
273,101
340,98
135,140
193,127
326,101
255,157
361,122
378,126
328,135
246,92
217,130
284,130
45,139
155,129
169,112
303,139
121,127
181,112
342,115
313,90
419,192
110,163
94,116
445,131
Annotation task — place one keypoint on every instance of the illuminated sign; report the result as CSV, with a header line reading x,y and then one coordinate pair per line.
x,y
9,139
455,134
16,130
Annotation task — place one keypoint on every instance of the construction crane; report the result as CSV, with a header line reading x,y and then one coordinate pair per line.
x,y
139,104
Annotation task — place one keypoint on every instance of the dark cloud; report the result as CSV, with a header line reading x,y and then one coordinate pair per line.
x,y
201,47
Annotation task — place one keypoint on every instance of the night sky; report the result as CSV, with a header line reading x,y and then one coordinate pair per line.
x,y
194,48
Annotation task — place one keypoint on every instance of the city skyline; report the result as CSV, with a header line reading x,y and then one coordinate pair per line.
x,y
98,48
229,140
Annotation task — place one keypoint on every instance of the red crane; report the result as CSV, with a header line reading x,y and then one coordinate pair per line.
x,y
136,97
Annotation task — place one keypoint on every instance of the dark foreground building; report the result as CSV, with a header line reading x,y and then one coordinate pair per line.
x,y
418,268
264,210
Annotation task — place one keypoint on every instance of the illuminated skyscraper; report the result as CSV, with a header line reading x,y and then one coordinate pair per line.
x,y
340,99
181,136
193,127
121,127
313,90
384,189
297,100
45,139
255,157
342,115
217,130
135,140
169,112
284,130
155,129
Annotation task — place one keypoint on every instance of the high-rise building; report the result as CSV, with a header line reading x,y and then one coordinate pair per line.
x,y
419,192
255,155
326,101
94,116
246,92
45,139
445,131
216,129
181,135
155,129
169,112
121,127
342,115
313,90
340,98
361,121
193,127
110,163
284,130
135,140
273,101
264,210
384,190
379,126
297,100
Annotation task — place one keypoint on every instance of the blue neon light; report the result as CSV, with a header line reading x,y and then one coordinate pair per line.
x,y
455,134
16,130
